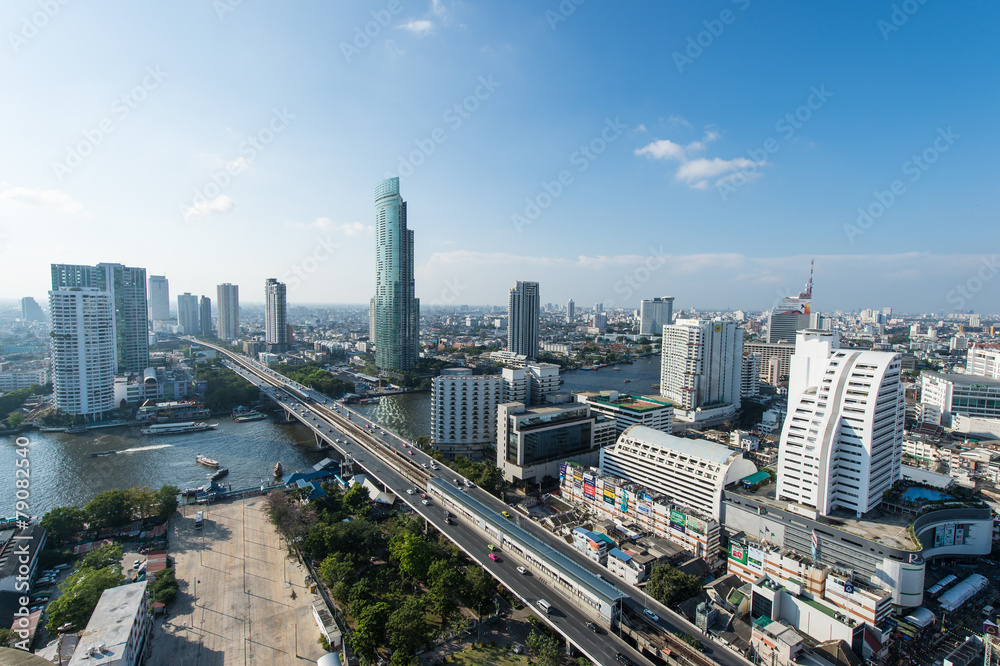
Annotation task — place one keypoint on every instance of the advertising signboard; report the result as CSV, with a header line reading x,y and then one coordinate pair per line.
x,y
737,552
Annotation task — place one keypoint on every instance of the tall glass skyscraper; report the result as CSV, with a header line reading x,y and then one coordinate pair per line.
x,y
127,287
228,304
275,316
396,311
522,319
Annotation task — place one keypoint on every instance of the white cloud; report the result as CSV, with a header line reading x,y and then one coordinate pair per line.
x,y
238,165
418,26
218,205
677,120
696,172
39,198
438,8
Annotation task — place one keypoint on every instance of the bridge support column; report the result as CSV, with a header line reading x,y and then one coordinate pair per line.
x,y
288,415
319,440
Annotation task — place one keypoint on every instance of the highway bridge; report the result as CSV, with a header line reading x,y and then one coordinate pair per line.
x,y
394,463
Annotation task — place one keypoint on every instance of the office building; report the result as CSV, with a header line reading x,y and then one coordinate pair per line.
x,y
792,314
30,310
530,384
188,314
841,444
570,311
630,503
205,316
532,442
397,310
159,298
122,623
983,361
522,319
654,314
772,351
83,350
275,316
629,410
942,395
691,472
599,320
598,307
228,307
750,376
700,370
127,287
464,412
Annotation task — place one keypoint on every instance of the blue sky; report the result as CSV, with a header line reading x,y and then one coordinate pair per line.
x,y
706,151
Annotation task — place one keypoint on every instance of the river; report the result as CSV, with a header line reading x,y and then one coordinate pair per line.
x,y
62,472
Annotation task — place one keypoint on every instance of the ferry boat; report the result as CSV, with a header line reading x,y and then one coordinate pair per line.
x,y
249,416
218,474
178,428
279,470
102,453
206,461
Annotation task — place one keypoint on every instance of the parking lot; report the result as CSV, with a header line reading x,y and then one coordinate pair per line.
x,y
236,603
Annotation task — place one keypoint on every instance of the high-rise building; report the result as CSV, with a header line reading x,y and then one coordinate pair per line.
x,y
30,311
700,370
750,376
779,351
522,319
791,315
598,307
83,350
464,411
275,316
841,444
159,298
599,320
654,314
396,309
188,314
570,311
127,287
983,361
205,315
227,298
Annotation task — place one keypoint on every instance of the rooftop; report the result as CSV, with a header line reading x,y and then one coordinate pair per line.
x,y
111,622
693,448
632,403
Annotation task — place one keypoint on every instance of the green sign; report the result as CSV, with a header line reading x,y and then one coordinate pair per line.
x,y
678,517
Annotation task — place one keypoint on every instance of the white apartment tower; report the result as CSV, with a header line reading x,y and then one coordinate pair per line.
x,y
159,298
228,304
841,444
654,314
983,361
83,350
700,369
750,376
188,314
276,316
464,411
570,311
522,319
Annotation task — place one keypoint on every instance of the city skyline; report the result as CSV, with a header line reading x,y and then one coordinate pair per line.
x,y
854,131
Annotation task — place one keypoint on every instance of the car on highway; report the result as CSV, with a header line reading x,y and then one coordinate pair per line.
x,y
447,521
491,546
424,465
469,484
651,615
505,514
623,659
433,466
409,491
425,502
593,627
410,451
494,557
522,570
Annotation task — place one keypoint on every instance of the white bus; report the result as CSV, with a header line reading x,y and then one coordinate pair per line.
x,y
545,606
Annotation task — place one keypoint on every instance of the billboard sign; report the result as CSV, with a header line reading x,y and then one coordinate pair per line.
x,y
697,525
737,552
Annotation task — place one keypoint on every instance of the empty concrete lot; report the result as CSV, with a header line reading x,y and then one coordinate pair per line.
x,y
236,586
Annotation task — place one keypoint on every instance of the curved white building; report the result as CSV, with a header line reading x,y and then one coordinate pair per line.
x,y
692,472
841,444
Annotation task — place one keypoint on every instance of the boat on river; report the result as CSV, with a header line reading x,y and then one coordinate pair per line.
x,y
206,461
279,471
249,416
218,474
178,428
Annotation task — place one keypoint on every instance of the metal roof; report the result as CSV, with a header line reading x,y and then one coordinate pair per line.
x,y
701,449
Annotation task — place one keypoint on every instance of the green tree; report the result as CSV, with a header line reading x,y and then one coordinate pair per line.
x,y
7,637
445,588
142,500
360,597
336,568
355,499
108,555
480,588
370,630
164,589
63,522
111,508
670,586
15,420
79,595
545,649
412,553
166,499
407,629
